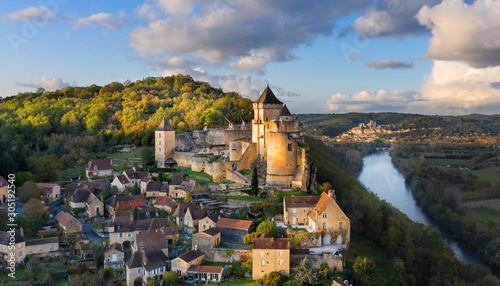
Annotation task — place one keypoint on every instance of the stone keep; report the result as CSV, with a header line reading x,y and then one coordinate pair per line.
x,y
164,142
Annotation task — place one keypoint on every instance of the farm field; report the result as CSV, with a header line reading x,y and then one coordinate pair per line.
x,y
487,215
446,161
490,174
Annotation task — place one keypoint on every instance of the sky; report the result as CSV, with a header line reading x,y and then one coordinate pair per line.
x,y
321,56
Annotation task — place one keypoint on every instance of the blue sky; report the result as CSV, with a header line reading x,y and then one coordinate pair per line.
x,y
430,56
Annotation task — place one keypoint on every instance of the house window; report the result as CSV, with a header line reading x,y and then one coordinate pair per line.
x,y
51,246
114,258
324,215
262,262
129,235
19,245
160,149
340,225
30,249
294,211
324,225
120,235
40,248
139,270
262,254
159,142
159,135
20,253
280,261
289,147
279,253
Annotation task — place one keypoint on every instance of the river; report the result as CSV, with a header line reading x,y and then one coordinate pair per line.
x,y
380,176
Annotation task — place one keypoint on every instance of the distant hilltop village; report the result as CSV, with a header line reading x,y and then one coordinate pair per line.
x,y
274,143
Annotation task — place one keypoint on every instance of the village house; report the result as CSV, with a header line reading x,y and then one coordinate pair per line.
x,y
125,228
149,258
209,222
43,247
4,189
135,177
319,214
68,223
205,240
171,233
97,187
181,264
121,183
155,189
270,254
188,215
83,198
115,201
164,203
18,252
114,256
233,230
52,191
205,273
187,186
99,168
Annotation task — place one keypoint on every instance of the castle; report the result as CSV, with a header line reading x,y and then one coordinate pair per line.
x,y
275,140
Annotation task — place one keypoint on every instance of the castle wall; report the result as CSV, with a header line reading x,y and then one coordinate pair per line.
x,y
281,159
198,163
183,158
334,261
248,157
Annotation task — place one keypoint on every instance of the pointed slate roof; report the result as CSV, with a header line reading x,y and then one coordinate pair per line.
x,y
285,111
165,125
268,97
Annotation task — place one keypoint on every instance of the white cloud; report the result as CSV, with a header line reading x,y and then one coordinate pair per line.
x,y
36,14
105,20
242,35
392,64
392,18
47,82
462,32
371,101
455,88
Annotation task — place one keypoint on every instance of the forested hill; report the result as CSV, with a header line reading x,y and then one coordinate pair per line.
x,y
53,122
424,125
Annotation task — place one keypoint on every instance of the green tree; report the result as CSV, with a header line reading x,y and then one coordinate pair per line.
x,y
162,213
324,269
135,214
71,242
148,156
305,275
35,271
247,265
255,181
271,279
268,227
97,251
35,216
170,278
86,278
152,281
324,188
48,167
189,198
296,241
28,191
248,238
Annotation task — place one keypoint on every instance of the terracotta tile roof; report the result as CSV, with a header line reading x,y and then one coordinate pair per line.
x,y
192,255
301,201
129,203
42,241
138,175
169,230
123,179
103,164
268,97
3,182
151,241
320,206
114,200
197,212
97,185
155,186
164,125
91,198
159,222
115,246
234,223
177,179
163,200
205,269
63,217
271,243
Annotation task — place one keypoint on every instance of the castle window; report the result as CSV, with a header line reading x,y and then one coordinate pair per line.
x,y
159,142
324,215
289,147
262,263
159,149
266,119
324,225
340,225
280,261
159,135
262,254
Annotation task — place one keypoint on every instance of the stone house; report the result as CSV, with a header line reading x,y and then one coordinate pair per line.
x,y
83,198
164,203
233,230
205,273
181,264
207,239
270,254
43,247
135,177
125,228
188,215
297,208
68,223
100,168
179,187
4,189
113,202
114,256
12,256
121,183
52,191
155,189
149,258
209,222
171,233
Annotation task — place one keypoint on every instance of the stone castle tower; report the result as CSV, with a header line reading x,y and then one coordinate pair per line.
x,y
164,142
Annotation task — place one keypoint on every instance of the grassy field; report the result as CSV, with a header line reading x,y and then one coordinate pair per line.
x,y
490,174
487,215
493,203
445,161
57,268
134,154
364,248
246,282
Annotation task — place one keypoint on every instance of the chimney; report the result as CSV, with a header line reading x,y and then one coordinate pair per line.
x,y
331,193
